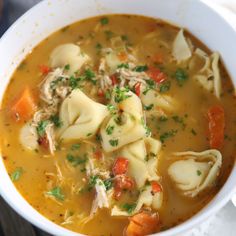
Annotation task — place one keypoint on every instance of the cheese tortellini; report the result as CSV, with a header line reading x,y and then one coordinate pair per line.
x,y
68,54
127,125
81,117
181,50
196,171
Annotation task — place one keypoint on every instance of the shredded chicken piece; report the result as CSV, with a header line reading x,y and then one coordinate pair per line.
x,y
101,199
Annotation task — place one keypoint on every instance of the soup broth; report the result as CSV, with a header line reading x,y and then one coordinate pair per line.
x,y
144,92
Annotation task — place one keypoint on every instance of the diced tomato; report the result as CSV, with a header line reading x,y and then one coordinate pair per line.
x,y
156,75
114,79
100,93
43,141
137,88
120,166
44,69
122,182
24,106
216,120
98,154
143,223
156,187
122,56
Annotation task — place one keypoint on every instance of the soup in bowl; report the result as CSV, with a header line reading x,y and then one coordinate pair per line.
x,y
119,124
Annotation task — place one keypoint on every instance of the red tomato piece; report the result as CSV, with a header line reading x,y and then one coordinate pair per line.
x,y
156,75
156,187
216,120
120,166
43,141
114,79
44,69
137,89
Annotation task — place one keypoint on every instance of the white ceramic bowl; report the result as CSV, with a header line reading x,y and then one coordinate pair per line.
x,y
50,15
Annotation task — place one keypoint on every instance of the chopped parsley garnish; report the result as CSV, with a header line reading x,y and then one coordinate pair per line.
x,y
54,83
74,82
89,134
16,174
120,94
114,142
56,193
124,37
92,182
109,34
129,207
193,132
104,21
41,127
109,129
67,67
165,86
90,75
56,121
108,184
98,46
167,135
150,85
148,130
141,68
108,94
181,76
199,172
98,137
179,120
75,146
75,161
111,109
163,119
148,107
123,65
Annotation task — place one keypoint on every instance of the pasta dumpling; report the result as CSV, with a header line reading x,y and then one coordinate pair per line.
x,y
80,116
68,54
181,50
126,126
196,171
29,137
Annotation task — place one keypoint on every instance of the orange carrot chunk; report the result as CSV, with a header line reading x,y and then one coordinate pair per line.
x,y
143,223
24,106
216,121
120,166
156,75
156,187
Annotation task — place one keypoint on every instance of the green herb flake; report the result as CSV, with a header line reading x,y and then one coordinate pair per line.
x,y
75,161
123,65
141,68
98,46
167,135
56,193
92,182
90,75
199,172
89,134
56,121
124,37
16,174
121,94
41,127
129,207
179,120
114,142
193,132
148,130
104,21
109,34
75,146
108,184
181,76
110,129
74,82
151,84
108,94
163,119
67,67
164,87
148,107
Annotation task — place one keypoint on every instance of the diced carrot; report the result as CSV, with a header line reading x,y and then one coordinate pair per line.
x,y
98,154
156,187
122,182
120,166
122,56
143,223
43,141
137,88
158,58
114,79
44,69
216,120
24,106
157,75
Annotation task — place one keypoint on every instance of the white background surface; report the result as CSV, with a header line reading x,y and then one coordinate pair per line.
x,y
224,222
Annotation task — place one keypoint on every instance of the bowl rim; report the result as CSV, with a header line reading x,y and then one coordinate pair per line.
x,y
181,228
